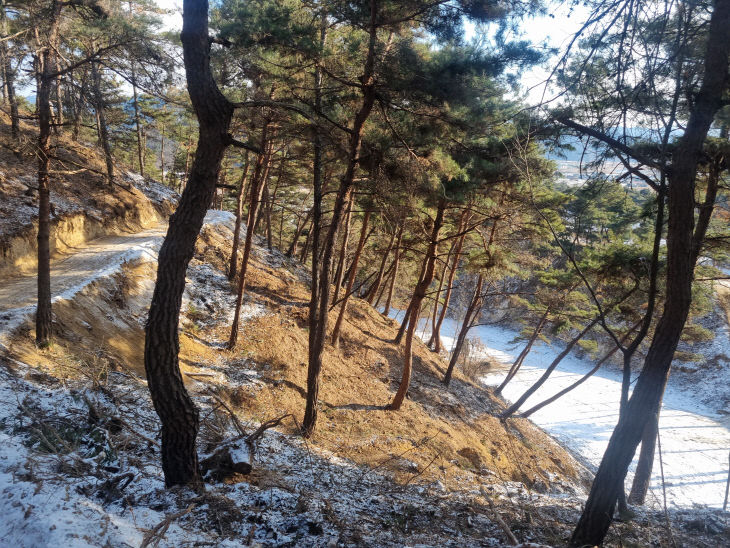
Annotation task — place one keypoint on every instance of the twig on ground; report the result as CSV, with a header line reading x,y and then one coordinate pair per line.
x,y
133,431
498,519
236,422
423,470
155,535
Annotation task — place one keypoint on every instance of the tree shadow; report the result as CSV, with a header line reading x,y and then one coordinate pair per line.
x,y
360,407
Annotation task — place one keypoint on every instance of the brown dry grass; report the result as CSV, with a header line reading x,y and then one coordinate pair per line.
x,y
447,435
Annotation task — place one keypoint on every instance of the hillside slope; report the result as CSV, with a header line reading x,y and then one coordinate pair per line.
x,y
79,456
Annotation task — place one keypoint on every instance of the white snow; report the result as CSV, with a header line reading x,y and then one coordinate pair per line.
x,y
695,439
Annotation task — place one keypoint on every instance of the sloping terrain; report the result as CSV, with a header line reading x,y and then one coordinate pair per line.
x,y
79,464
79,453
83,206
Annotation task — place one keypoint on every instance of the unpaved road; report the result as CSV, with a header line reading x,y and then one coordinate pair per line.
x,y
71,273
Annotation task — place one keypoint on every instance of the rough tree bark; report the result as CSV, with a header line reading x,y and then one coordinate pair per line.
x,y
319,309
46,74
645,400
177,412
418,295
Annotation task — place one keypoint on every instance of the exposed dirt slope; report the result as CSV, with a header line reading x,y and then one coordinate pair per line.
x,y
83,206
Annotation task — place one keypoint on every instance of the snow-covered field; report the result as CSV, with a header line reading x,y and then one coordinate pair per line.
x,y
694,441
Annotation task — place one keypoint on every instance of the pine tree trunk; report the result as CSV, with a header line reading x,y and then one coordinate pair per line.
x,y
47,67
9,78
297,234
162,154
340,274
642,477
407,316
102,125
59,105
350,280
418,295
544,377
137,123
177,412
646,398
240,197
471,313
525,351
580,381
393,280
437,295
319,305
258,182
450,282
373,291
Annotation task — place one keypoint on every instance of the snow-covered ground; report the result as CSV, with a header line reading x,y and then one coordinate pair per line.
x,y
695,440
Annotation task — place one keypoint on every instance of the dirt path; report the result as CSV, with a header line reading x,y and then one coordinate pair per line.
x,y
73,272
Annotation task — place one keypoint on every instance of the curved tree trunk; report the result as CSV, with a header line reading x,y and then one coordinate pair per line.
x,y
544,377
450,282
176,410
646,398
580,381
418,295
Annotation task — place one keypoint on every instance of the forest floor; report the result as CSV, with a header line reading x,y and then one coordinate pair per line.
x,y
79,457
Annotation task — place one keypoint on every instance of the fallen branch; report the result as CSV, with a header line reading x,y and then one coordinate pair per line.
x,y
498,519
155,535
272,423
236,422
142,436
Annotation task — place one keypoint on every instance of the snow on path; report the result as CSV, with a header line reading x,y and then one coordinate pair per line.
x,y
96,259
695,442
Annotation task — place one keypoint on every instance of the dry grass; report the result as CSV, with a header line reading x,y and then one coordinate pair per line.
x,y
447,435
